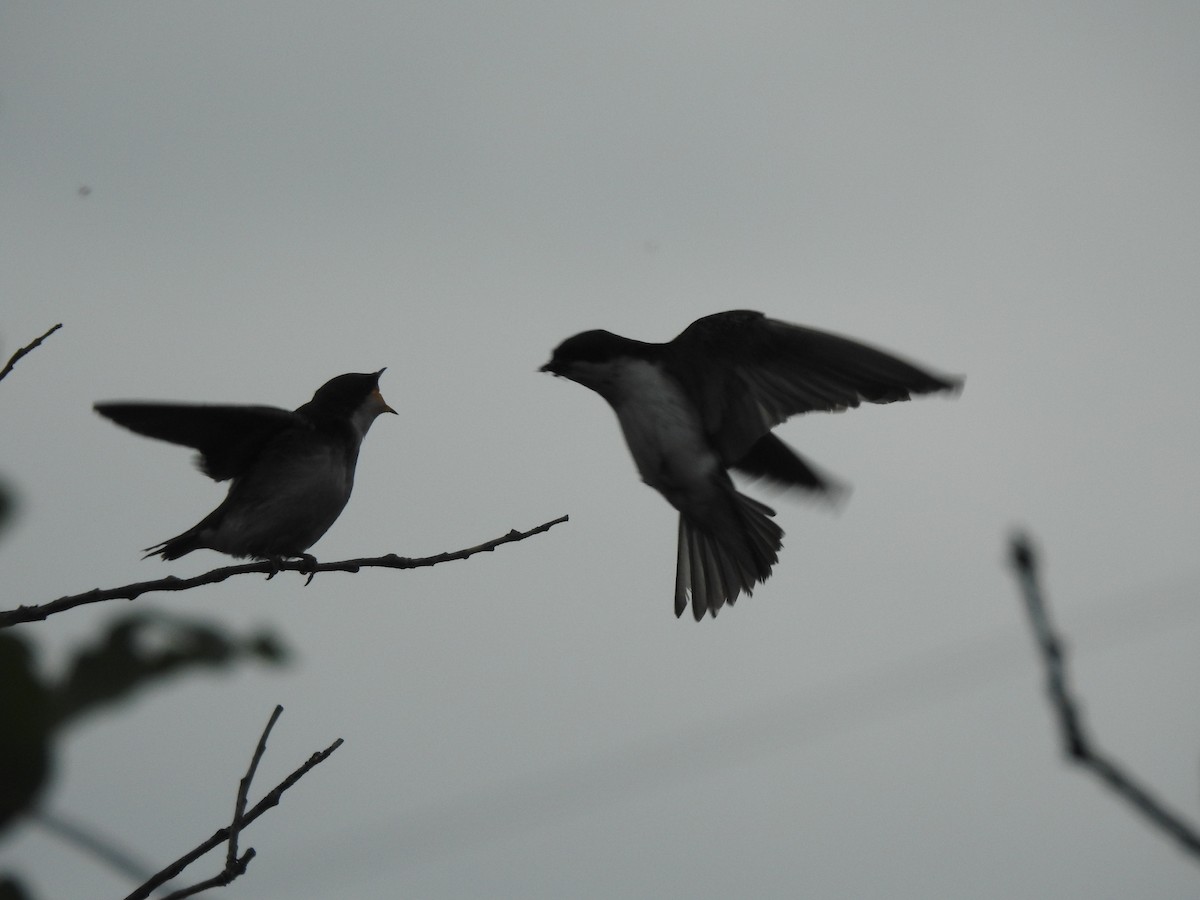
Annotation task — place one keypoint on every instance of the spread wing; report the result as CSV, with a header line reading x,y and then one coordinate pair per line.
x,y
228,437
748,373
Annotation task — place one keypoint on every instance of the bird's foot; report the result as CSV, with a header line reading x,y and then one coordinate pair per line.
x,y
310,567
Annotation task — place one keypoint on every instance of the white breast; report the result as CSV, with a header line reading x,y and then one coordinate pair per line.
x,y
661,428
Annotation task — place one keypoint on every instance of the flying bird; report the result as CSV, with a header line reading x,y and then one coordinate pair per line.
x,y
697,406
291,472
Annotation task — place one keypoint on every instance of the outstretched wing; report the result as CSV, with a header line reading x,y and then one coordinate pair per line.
x,y
748,373
228,437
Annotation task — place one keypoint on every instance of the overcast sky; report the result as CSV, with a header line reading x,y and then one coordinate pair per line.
x,y
282,192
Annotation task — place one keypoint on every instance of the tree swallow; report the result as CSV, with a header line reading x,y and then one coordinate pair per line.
x,y
701,404
292,471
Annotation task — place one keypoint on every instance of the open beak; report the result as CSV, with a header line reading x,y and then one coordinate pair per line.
x,y
380,403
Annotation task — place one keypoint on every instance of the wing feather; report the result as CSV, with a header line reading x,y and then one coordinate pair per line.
x,y
228,437
747,373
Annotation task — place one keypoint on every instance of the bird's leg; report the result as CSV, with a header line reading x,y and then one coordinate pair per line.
x,y
310,567
275,562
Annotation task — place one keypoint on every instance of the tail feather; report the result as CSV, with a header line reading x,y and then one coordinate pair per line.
x,y
175,547
713,568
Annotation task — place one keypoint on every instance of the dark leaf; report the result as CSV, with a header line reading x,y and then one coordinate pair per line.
x,y
142,648
25,725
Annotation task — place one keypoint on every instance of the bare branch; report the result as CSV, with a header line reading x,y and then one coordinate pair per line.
x,y
1077,746
172,583
239,807
230,833
16,357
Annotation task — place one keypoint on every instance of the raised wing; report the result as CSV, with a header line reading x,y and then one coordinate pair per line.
x,y
749,373
228,437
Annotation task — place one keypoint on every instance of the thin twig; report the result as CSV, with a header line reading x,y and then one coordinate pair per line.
x,y
224,834
221,879
1077,747
171,583
16,357
235,865
239,808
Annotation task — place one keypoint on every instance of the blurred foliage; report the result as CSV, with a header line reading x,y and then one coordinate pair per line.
x,y
137,651
26,711
141,648
8,504
11,889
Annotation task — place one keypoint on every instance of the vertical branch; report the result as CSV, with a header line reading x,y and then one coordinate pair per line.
x,y
239,808
1077,746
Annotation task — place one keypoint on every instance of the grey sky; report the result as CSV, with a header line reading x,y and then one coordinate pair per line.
x,y
284,192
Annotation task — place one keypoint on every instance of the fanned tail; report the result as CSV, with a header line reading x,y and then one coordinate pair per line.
x,y
715,568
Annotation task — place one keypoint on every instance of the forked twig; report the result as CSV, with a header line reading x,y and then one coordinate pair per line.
x,y
234,865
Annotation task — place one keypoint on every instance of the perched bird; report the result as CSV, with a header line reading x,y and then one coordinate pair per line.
x,y
292,471
701,404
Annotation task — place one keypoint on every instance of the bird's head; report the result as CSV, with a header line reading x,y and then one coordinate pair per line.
x,y
354,397
589,347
